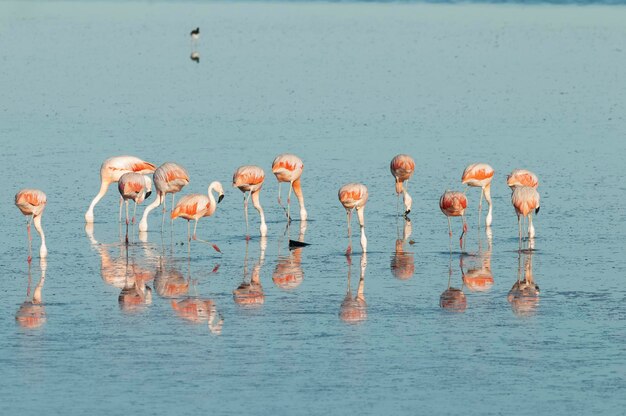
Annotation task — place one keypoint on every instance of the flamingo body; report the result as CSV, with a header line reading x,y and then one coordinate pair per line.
x,y
522,177
480,175
134,186
354,196
453,203
111,171
402,168
250,179
32,202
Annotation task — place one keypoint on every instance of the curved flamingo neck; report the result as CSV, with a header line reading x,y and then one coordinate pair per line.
x,y
143,224
104,186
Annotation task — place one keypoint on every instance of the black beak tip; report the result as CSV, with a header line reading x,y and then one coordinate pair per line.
x,y
537,210
148,194
220,198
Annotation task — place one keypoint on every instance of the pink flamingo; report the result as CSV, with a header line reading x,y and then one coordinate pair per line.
x,y
288,168
522,177
453,204
32,202
250,179
402,168
134,186
354,196
196,206
111,171
480,175
169,178
525,200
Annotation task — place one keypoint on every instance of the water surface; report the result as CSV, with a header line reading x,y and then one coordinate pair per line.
x,y
346,87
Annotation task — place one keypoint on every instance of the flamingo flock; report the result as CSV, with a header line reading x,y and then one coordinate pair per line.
x,y
136,176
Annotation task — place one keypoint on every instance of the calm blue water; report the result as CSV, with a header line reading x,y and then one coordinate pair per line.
x,y
346,87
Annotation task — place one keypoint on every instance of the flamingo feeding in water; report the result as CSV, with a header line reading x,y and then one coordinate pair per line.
x,y
249,179
196,206
111,171
525,200
354,196
32,202
522,177
480,175
134,186
288,168
169,178
402,167
453,204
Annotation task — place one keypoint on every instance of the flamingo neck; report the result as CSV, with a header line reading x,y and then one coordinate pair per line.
x,y
43,250
297,189
104,186
143,224
257,204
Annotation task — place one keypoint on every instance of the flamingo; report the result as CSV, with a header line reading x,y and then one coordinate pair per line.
x,y
169,178
480,175
402,167
134,186
32,202
288,168
525,200
196,206
111,171
453,204
354,196
250,179
522,177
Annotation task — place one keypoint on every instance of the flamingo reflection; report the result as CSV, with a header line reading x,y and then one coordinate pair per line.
x,y
169,282
453,299
353,309
250,292
32,312
288,273
122,272
403,262
196,310
524,295
477,276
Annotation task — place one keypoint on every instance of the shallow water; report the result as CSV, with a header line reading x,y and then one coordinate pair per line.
x,y
346,87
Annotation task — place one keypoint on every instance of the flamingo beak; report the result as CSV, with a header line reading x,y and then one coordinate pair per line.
x,y
537,210
148,194
219,199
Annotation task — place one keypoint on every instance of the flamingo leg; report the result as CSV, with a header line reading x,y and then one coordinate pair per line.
x,y
162,196
349,215
449,228
188,232
30,240
519,232
134,211
121,202
461,240
215,247
280,202
245,211
172,210
480,204
289,202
